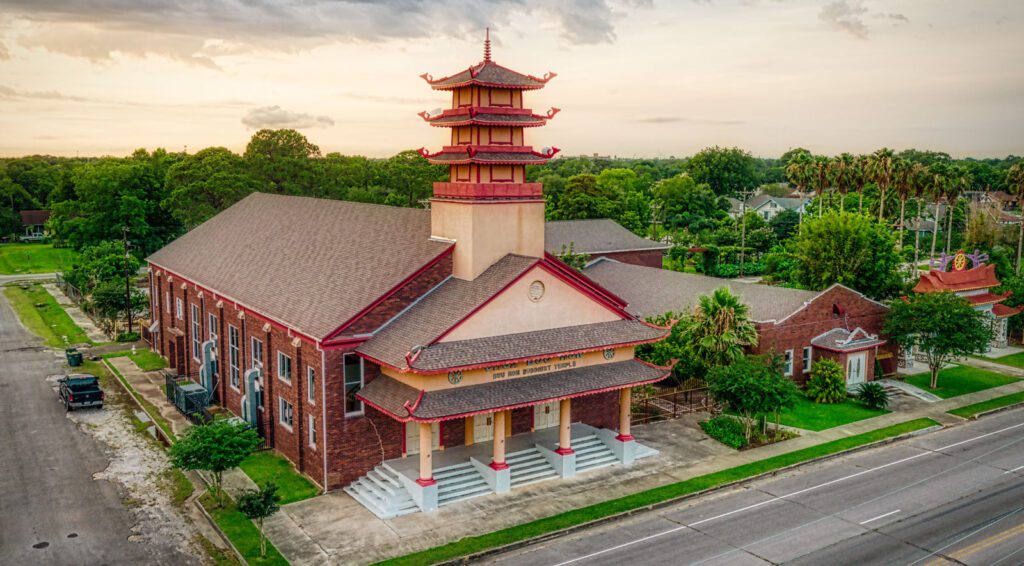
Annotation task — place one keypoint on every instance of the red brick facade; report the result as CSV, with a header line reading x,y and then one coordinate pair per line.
x,y
646,258
821,315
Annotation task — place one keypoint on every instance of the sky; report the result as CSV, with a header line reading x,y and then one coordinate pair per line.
x,y
636,78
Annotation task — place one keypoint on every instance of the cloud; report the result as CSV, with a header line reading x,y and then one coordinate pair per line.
x,y
9,93
275,117
685,120
5,54
846,16
197,32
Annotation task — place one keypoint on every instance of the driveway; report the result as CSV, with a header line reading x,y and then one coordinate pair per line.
x,y
52,511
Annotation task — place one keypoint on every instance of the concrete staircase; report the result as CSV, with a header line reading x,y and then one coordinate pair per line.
x,y
382,493
528,466
458,482
592,453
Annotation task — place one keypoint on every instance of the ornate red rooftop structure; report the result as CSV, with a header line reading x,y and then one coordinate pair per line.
x,y
972,284
488,154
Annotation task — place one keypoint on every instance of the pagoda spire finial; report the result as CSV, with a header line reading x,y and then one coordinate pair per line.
x,y
487,46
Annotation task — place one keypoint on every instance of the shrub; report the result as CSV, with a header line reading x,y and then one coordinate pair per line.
x,y
827,383
726,430
128,337
873,395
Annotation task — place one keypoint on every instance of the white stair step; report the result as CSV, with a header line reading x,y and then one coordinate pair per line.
x,y
382,483
483,490
461,484
535,476
530,468
454,472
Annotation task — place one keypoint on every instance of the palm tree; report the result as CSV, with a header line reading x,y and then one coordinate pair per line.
x,y
919,180
937,187
880,169
955,184
820,170
840,169
719,329
798,173
1015,178
858,179
902,183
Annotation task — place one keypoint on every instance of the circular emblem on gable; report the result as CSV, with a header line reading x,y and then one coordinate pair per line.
x,y
454,377
609,354
960,261
536,291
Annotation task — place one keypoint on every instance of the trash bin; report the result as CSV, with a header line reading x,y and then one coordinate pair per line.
x,y
74,357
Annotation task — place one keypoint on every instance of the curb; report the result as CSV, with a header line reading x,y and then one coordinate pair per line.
x,y
977,416
668,502
166,440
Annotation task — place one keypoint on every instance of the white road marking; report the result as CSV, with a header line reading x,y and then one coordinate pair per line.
x,y
1014,470
880,517
788,495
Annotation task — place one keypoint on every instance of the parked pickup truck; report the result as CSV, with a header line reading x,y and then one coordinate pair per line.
x,y
80,390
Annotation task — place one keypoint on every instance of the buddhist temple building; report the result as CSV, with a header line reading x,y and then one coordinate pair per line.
x,y
950,273
414,357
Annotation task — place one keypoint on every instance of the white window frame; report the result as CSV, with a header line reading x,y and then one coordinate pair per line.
x,y
179,308
787,363
806,360
167,301
285,408
211,330
234,357
312,431
346,382
285,377
257,361
311,385
197,330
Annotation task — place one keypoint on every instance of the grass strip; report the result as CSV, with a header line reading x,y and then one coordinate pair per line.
x,y
16,259
576,517
960,380
266,466
969,411
147,360
154,413
1013,360
240,530
47,320
808,415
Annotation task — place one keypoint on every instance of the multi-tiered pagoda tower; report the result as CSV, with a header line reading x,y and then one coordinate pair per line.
x,y
486,206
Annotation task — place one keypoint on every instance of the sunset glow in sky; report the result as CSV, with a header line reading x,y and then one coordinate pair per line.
x,y
635,77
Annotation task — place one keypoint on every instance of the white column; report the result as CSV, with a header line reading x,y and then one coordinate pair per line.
x,y
565,427
498,454
426,463
625,400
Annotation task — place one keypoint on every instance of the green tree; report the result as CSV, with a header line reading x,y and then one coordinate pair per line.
x,y
850,249
940,326
1015,179
727,171
752,387
584,198
687,204
201,185
719,329
799,170
112,303
281,161
101,263
409,178
257,505
785,224
827,383
215,447
880,170
573,259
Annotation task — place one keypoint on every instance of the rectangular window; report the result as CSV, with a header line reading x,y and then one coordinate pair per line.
x,y
256,353
179,309
212,329
284,367
167,301
310,384
233,356
287,418
353,383
787,366
807,360
312,431
196,330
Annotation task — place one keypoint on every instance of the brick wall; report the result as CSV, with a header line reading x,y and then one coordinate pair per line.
x,y
647,258
600,410
402,298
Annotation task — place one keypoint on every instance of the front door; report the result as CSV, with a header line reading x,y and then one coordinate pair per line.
x,y
855,368
546,415
412,437
483,427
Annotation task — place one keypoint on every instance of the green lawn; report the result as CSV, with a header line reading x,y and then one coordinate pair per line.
x,y
969,411
266,466
48,320
809,415
960,380
16,259
147,360
241,531
471,545
1015,360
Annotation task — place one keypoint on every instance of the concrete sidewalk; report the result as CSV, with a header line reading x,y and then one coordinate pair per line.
x,y
335,529
76,314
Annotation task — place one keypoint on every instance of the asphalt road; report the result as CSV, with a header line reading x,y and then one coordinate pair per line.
x,y
949,497
51,509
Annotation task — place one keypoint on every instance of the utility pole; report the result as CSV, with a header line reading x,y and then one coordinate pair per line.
x,y
127,279
743,228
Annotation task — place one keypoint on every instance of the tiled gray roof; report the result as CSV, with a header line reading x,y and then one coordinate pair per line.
x,y
309,263
392,395
840,339
595,236
439,310
537,344
784,202
488,73
651,291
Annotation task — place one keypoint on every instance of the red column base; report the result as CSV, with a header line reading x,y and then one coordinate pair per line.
x,y
565,451
426,482
498,466
624,437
